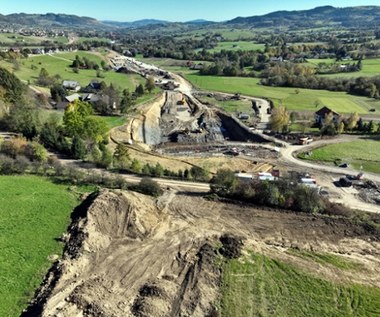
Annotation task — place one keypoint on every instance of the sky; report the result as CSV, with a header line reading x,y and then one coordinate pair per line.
x,y
171,10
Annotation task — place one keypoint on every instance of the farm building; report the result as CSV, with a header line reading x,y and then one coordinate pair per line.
x,y
321,114
71,85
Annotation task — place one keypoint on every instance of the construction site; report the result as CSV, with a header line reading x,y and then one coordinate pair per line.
x,y
131,255
183,127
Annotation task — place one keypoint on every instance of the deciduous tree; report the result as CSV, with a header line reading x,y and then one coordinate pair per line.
x,y
279,119
150,85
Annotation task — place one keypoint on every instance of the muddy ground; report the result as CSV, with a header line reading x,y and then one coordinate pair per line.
x,y
131,255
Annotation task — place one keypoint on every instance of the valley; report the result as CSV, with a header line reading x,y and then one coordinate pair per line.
x,y
202,168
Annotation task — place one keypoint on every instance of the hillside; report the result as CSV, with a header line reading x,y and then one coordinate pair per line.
x,y
359,16
50,20
317,17
136,24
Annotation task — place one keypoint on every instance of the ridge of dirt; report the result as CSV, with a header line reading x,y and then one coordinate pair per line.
x,y
132,255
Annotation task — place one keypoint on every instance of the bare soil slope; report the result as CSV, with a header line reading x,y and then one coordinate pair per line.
x,y
132,255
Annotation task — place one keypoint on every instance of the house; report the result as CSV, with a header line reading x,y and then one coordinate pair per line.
x,y
244,177
321,114
266,177
277,59
94,84
72,97
68,99
71,85
91,98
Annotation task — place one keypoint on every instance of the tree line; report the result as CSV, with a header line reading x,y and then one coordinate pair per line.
x,y
284,194
301,76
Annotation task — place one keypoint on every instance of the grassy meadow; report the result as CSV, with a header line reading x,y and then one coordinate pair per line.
x,y
231,106
60,64
370,67
113,121
304,100
33,213
352,153
260,286
15,38
238,45
229,34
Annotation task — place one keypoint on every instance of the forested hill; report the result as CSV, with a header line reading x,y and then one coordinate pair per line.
x,y
361,16
317,17
49,20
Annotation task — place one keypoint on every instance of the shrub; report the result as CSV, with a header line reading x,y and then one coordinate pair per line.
x,y
149,187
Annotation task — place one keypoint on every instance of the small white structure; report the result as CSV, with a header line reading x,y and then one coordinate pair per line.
x,y
244,176
71,85
266,177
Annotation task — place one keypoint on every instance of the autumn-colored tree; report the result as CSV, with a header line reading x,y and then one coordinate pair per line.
x,y
279,119
352,121
150,85
328,126
341,127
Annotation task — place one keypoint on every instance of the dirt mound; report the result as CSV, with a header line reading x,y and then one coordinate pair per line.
x,y
131,255
125,257
231,248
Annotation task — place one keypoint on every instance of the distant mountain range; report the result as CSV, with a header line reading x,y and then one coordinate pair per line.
x,y
136,24
318,17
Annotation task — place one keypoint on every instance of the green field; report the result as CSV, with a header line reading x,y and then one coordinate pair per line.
x,y
371,67
34,212
352,153
238,45
170,64
229,34
60,64
14,38
305,100
261,286
113,121
232,106
298,127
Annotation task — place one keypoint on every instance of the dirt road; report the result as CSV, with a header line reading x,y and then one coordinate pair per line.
x,y
177,184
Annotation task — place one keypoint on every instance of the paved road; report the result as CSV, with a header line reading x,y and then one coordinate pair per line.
x,y
329,174
289,155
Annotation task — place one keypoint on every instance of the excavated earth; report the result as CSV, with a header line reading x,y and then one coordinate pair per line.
x,y
128,254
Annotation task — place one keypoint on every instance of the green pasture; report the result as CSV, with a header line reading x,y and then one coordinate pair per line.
x,y
17,39
238,45
60,64
293,99
352,153
259,286
370,67
229,34
34,212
